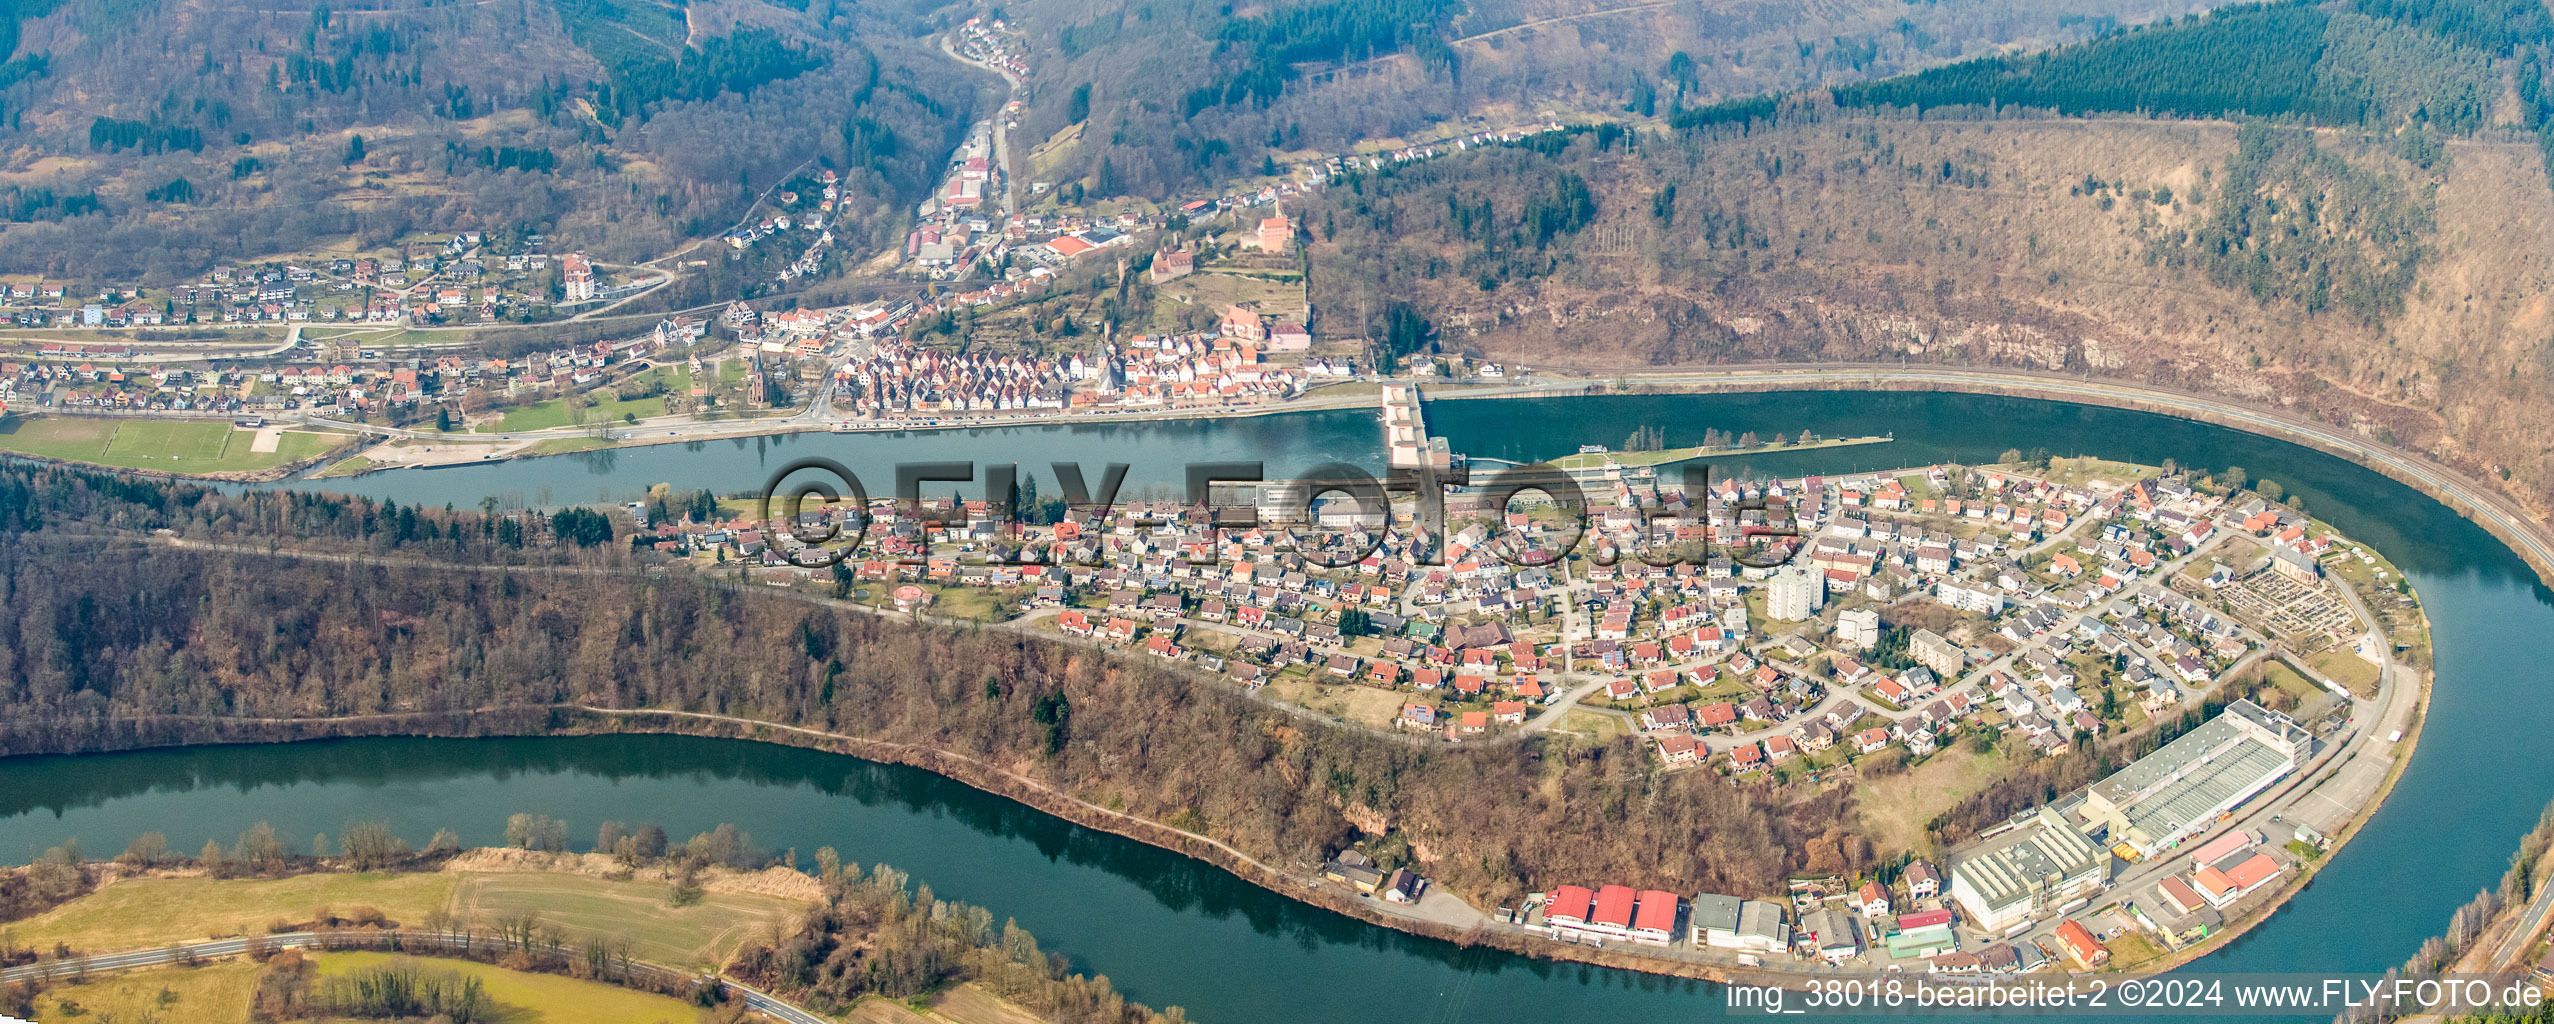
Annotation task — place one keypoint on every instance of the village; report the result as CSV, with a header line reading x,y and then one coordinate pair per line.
x,y
1925,613
354,340
433,280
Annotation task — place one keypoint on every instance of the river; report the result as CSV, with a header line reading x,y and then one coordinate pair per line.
x,y
1168,930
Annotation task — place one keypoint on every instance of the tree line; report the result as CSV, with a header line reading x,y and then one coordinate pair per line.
x,y
876,934
164,644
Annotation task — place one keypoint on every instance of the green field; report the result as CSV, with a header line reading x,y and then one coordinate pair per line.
x,y
555,412
177,446
156,911
2346,667
349,466
703,934
2278,674
539,998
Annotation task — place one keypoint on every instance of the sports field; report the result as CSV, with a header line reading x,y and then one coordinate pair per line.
x,y
176,446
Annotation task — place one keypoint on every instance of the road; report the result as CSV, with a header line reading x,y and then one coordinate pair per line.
x,y
771,1005
1001,127
2515,944
180,354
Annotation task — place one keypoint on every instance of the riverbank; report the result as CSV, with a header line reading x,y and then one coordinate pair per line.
x,y
2503,516
586,720
2468,539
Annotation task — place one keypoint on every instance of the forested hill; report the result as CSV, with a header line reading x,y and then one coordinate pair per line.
x,y
152,643
2435,66
149,140
1146,98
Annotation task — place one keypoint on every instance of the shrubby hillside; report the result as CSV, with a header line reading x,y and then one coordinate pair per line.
x,y
2360,236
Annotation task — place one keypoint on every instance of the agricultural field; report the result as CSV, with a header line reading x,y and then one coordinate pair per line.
x,y
703,934
2277,673
177,446
157,911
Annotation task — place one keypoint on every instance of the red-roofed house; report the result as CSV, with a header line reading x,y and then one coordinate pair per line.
x,y
2081,945
1872,899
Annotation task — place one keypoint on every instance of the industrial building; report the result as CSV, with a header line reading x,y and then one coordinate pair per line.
x,y
2041,864
1727,922
2178,791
